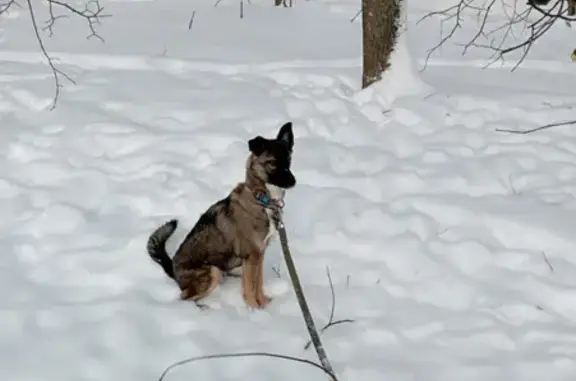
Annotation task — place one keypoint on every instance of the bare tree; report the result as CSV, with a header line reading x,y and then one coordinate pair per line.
x,y
534,18
91,12
380,26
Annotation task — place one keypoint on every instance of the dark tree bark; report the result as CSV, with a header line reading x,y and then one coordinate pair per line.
x,y
380,22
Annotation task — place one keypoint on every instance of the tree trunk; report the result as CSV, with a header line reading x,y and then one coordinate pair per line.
x,y
380,19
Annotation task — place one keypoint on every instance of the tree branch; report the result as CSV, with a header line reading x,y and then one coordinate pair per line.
x,y
56,73
6,6
501,46
92,13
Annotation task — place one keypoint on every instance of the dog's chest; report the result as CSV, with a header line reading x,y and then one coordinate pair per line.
x,y
275,194
271,227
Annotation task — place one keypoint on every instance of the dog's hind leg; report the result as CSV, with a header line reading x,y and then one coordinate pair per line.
x,y
199,283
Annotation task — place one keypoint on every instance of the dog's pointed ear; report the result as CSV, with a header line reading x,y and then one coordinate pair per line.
x,y
286,135
257,145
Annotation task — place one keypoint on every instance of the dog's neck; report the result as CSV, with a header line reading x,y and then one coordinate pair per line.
x,y
265,193
276,193
259,187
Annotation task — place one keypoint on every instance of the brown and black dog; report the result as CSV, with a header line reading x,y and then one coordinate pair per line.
x,y
234,231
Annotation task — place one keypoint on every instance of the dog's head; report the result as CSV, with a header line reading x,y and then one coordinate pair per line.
x,y
271,158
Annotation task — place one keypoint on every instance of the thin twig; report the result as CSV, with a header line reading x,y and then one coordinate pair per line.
x,y
356,15
501,47
331,321
245,354
480,30
459,8
56,73
297,286
191,20
92,16
547,261
551,125
6,6
277,271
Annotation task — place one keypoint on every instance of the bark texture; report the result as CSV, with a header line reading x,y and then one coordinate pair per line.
x,y
380,22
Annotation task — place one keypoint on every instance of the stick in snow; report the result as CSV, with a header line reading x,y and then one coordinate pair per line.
x,y
331,321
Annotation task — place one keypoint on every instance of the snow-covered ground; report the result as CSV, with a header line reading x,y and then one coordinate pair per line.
x,y
451,245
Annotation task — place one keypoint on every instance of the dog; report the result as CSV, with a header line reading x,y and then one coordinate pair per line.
x,y
235,231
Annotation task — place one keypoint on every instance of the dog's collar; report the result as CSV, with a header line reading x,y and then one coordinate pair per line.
x,y
267,202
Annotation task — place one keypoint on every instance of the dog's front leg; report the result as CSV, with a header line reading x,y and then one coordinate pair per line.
x,y
261,298
253,281
249,281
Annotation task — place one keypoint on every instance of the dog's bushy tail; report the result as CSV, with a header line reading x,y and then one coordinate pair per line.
x,y
156,246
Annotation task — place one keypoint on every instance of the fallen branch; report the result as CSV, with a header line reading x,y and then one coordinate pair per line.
x,y
277,271
246,354
331,321
524,132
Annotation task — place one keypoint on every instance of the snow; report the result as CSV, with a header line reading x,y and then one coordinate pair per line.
x,y
451,245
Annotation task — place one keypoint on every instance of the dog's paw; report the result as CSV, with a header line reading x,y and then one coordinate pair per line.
x,y
258,301
263,300
251,300
202,306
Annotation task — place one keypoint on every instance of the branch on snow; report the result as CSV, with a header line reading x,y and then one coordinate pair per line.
x,y
547,262
545,127
91,12
331,321
535,19
247,354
